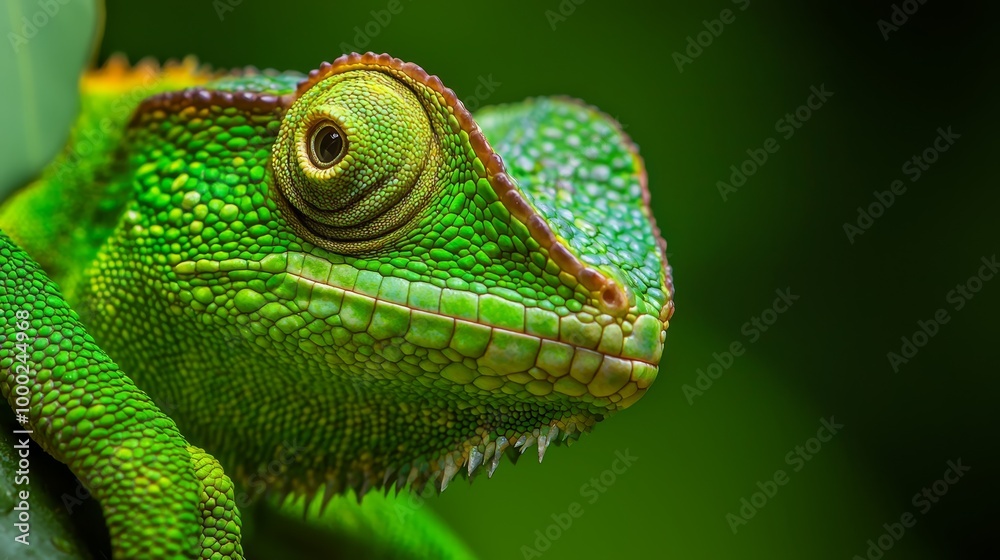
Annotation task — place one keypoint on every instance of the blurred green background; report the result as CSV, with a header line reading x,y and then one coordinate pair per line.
x,y
697,457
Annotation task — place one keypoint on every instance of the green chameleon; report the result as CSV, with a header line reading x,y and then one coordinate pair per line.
x,y
344,276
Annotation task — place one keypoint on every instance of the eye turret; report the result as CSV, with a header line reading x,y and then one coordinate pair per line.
x,y
356,160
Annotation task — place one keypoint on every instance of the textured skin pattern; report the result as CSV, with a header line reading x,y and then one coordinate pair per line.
x,y
412,312
161,498
586,177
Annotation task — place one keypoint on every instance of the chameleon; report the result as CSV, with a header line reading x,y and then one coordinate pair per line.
x,y
343,274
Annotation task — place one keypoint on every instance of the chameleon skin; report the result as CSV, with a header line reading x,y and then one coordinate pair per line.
x,y
89,415
416,310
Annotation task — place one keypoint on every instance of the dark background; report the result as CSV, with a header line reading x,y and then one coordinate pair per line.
x,y
784,228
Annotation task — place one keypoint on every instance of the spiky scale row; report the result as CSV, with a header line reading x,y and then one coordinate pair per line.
x,y
441,473
476,456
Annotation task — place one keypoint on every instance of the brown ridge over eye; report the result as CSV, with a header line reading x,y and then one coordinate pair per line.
x,y
327,145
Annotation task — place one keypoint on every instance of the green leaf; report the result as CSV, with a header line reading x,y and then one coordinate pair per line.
x,y
48,43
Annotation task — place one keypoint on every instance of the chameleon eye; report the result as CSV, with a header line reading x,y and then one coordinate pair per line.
x,y
356,161
326,145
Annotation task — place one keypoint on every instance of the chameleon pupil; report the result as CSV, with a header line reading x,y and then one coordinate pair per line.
x,y
327,146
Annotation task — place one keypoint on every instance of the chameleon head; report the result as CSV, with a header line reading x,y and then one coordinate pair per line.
x,y
433,258
441,306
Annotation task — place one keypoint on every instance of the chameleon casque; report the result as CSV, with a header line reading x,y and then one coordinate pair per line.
x,y
347,266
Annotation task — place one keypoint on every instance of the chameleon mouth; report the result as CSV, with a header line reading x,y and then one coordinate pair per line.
x,y
571,376
492,346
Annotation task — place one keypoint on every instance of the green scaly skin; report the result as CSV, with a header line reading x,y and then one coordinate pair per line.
x,y
412,312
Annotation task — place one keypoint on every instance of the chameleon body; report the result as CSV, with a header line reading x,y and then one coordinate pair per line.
x,y
344,274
